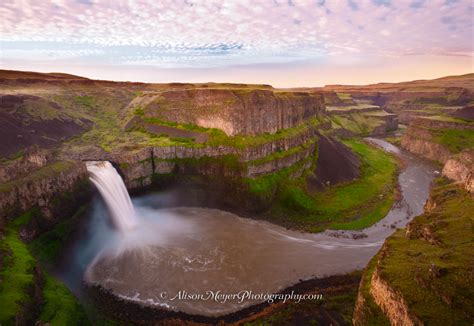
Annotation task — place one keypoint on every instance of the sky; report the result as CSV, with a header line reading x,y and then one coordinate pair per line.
x,y
285,43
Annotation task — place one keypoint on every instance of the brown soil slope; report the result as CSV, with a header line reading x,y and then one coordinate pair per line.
x,y
336,163
21,129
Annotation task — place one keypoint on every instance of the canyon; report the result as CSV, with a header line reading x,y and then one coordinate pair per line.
x,y
280,153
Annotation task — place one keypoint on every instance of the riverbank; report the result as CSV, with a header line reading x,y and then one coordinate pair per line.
x,y
423,273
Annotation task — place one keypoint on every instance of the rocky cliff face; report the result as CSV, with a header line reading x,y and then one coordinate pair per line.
x,y
391,302
43,182
247,112
420,142
422,137
54,189
32,160
139,168
440,138
460,168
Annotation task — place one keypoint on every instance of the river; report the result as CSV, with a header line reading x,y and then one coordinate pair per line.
x,y
179,258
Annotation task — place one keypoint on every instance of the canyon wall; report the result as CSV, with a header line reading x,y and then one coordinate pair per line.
x,y
425,136
55,190
235,111
420,141
139,168
42,187
391,302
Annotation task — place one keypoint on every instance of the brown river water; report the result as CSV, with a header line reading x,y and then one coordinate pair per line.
x,y
188,258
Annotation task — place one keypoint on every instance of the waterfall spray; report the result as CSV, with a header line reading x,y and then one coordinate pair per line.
x,y
110,185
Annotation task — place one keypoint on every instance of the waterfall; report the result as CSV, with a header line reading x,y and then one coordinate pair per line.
x,y
110,185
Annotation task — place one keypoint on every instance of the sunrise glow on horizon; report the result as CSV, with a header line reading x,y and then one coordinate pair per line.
x,y
284,43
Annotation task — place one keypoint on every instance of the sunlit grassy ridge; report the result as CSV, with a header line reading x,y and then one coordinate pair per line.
x,y
407,261
353,205
217,137
454,140
358,123
430,266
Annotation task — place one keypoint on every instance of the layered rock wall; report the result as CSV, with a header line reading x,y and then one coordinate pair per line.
x,y
420,142
53,191
246,112
138,168
460,168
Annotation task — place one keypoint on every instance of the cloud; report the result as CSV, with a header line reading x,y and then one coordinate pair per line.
x,y
220,33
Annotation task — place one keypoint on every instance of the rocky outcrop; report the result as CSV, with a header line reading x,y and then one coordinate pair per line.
x,y
235,111
55,190
341,110
433,123
466,113
392,303
420,142
424,137
460,168
32,160
277,164
390,123
407,116
138,168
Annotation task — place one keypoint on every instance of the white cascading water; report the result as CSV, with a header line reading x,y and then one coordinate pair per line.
x,y
115,194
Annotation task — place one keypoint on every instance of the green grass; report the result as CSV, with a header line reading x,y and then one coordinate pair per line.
x,y
139,111
41,110
378,177
267,186
352,206
16,156
360,106
60,306
48,246
394,140
357,123
17,271
218,138
446,299
87,101
17,278
446,118
344,96
454,140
